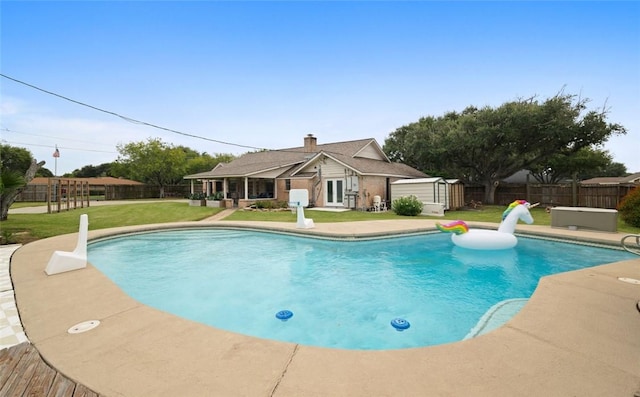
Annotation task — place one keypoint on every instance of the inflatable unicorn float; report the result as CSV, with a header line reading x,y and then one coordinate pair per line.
x,y
482,239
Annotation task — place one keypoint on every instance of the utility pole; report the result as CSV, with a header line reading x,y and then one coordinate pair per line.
x,y
56,154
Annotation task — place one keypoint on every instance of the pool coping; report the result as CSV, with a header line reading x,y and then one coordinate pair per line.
x,y
578,335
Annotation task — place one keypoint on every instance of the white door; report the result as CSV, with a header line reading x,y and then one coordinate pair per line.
x,y
334,193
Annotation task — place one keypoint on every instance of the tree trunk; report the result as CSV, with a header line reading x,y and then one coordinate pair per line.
x,y
10,197
490,191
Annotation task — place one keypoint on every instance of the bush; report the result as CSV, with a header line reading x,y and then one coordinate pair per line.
x,y
217,196
407,206
197,196
264,205
629,208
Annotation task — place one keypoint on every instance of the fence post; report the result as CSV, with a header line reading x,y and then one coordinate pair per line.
x,y
574,189
49,196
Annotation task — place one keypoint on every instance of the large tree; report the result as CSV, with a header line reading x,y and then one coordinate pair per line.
x,y
17,168
584,164
154,162
489,144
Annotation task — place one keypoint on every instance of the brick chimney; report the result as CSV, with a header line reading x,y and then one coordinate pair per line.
x,y
310,143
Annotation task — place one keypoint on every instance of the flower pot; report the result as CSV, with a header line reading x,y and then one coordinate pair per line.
x,y
197,203
213,203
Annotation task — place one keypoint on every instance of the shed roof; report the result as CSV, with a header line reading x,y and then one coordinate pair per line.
x,y
419,180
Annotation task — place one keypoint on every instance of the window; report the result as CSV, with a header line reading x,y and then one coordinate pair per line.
x,y
287,184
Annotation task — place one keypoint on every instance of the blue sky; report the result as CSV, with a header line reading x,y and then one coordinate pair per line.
x,y
265,74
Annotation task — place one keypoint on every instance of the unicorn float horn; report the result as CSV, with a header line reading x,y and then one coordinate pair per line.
x,y
456,227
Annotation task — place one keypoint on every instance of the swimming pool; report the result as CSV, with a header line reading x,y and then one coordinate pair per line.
x,y
343,294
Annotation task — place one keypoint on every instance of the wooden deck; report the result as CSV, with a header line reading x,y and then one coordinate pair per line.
x,y
24,373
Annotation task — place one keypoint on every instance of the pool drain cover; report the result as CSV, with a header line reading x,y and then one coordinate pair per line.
x,y
83,327
629,280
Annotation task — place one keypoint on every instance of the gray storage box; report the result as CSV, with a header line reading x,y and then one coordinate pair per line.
x,y
574,218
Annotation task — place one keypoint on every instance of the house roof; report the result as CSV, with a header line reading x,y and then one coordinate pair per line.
x,y
290,161
633,178
105,180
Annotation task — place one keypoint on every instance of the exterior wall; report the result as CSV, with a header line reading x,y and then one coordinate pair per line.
x,y
370,152
331,169
372,186
296,183
432,192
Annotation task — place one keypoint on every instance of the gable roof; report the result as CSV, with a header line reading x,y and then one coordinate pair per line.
x,y
633,178
352,154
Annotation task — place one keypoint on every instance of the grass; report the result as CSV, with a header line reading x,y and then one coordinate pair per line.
x,y
22,228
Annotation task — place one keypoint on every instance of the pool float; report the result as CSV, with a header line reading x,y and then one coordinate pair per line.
x,y
481,239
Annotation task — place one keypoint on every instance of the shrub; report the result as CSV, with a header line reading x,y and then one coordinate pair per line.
x,y
266,205
407,206
217,196
629,207
197,196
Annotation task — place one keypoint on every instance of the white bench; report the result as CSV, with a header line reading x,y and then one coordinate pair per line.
x,y
574,218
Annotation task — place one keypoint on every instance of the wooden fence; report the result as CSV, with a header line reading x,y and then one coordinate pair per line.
x,y
595,196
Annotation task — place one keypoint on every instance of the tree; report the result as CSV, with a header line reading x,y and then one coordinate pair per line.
x,y
91,171
205,162
154,162
584,164
44,173
489,144
612,169
17,169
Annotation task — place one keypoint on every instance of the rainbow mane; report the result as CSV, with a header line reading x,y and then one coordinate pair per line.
x,y
512,206
457,227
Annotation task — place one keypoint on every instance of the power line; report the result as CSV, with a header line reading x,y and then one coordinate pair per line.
x,y
129,119
46,136
59,147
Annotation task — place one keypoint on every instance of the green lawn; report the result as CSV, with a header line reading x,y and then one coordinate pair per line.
x,y
23,228
488,213
28,227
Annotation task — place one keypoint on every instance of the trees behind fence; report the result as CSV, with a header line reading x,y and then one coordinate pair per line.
x,y
595,196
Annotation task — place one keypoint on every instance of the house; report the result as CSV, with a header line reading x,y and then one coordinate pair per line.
x,y
342,174
618,180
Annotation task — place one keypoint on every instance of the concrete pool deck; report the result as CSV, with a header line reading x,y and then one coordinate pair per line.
x,y
579,334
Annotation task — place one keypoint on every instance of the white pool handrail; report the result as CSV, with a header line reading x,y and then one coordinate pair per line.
x,y
633,249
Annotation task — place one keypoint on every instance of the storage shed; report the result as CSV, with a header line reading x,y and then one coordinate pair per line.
x,y
456,194
433,190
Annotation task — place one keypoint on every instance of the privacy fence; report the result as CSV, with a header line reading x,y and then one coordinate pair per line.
x,y
596,196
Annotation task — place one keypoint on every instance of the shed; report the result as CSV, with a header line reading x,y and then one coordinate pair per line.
x,y
456,194
427,190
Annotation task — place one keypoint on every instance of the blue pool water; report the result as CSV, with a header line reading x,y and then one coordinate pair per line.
x,y
343,294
